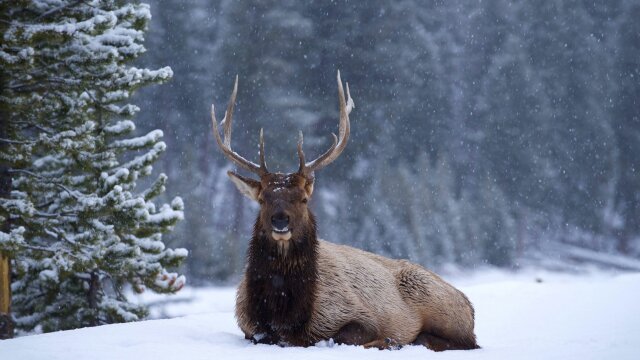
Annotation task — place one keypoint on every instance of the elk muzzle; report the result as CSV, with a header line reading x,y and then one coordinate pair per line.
x,y
280,226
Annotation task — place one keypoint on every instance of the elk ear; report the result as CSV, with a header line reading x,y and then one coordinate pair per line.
x,y
248,187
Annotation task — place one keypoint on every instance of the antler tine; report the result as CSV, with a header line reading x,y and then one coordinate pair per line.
x,y
225,145
304,168
263,164
340,142
228,115
316,164
300,152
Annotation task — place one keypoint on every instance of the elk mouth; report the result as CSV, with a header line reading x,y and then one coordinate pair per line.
x,y
283,234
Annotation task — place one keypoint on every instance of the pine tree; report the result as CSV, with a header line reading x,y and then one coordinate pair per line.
x,y
80,228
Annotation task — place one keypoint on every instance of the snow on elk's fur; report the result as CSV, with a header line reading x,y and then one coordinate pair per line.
x,y
298,289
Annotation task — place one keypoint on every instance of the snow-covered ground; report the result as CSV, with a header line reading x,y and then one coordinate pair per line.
x,y
523,316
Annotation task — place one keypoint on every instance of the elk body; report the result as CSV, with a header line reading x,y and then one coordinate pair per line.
x,y
298,289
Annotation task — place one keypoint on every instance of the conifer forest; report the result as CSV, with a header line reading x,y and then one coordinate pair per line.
x,y
485,133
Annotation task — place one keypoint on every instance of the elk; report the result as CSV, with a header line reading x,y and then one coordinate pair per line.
x,y
297,289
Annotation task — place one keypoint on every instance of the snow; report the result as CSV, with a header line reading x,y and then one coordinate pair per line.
x,y
14,238
139,142
48,275
166,214
524,316
120,127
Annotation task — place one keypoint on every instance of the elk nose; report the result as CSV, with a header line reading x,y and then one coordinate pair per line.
x,y
280,221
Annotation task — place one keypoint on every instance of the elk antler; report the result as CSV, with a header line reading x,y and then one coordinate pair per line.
x,y
225,145
339,142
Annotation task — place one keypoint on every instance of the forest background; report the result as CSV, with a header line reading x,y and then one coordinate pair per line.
x,y
485,133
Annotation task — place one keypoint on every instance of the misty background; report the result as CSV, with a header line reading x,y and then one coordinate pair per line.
x,y
485,133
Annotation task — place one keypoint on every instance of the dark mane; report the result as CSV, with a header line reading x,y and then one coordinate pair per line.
x,y
282,285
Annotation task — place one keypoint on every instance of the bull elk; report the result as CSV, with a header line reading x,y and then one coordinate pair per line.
x,y
298,289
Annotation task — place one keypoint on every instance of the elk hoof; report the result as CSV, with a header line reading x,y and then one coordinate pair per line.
x,y
391,344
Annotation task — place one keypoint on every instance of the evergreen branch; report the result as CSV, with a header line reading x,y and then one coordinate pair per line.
x,y
27,172
28,125
99,104
26,87
15,141
82,276
41,248
57,10
58,235
119,295
47,204
53,216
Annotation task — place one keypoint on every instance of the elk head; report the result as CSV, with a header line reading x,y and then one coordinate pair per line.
x,y
283,198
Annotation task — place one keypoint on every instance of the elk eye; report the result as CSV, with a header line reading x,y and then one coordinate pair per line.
x,y
260,201
305,200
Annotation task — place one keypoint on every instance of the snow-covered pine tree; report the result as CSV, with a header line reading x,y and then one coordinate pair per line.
x,y
76,225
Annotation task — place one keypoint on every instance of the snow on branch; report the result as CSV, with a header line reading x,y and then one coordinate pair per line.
x,y
138,142
121,127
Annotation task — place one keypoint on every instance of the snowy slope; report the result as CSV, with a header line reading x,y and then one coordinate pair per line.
x,y
596,317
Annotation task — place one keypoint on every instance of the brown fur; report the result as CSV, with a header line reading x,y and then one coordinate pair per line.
x,y
317,290
298,290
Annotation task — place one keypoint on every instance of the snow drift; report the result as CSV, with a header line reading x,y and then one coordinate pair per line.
x,y
518,317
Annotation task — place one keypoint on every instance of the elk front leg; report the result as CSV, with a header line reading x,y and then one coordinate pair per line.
x,y
383,344
263,338
437,343
354,333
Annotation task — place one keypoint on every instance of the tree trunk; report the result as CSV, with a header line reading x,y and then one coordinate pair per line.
x,y
92,297
6,323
